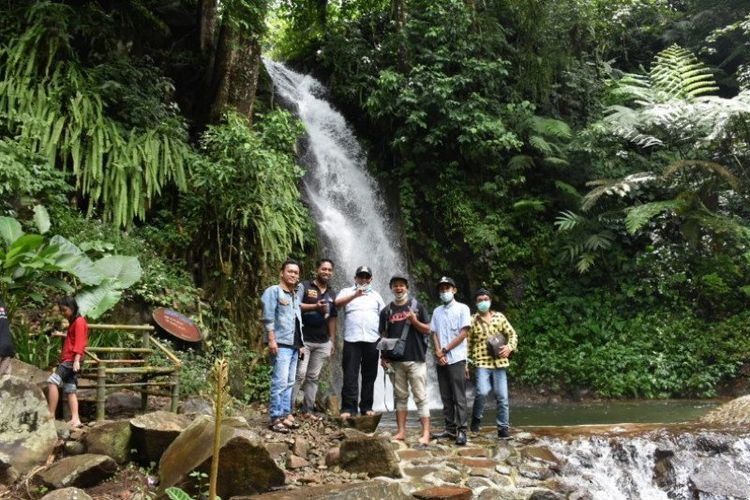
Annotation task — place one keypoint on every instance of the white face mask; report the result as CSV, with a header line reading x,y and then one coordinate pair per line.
x,y
401,296
446,297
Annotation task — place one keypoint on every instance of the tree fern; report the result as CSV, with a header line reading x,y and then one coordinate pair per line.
x,y
638,216
681,75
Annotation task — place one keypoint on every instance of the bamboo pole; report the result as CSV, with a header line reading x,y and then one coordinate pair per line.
x,y
135,328
130,384
135,350
167,352
143,370
145,341
101,392
175,391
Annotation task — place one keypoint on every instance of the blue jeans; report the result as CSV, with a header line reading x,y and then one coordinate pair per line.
x,y
282,382
499,380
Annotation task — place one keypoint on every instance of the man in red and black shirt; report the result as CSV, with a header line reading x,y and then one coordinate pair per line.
x,y
73,350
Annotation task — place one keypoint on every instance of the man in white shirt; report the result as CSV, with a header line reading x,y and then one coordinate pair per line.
x,y
362,306
450,326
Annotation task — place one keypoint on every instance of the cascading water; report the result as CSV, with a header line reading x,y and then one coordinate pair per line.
x,y
656,465
344,199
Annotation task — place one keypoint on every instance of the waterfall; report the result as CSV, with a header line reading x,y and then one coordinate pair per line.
x,y
657,465
345,202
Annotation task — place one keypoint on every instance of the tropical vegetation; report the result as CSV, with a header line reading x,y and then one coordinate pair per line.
x,y
585,160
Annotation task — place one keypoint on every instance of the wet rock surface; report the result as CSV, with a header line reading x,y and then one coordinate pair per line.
x,y
573,463
111,439
27,434
81,471
153,432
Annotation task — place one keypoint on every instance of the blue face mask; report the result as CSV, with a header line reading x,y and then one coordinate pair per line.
x,y
483,306
446,297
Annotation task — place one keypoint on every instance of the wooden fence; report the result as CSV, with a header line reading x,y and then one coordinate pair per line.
x,y
130,369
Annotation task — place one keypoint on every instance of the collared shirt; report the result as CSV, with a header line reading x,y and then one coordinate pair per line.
x,y
76,339
362,316
447,322
280,311
480,331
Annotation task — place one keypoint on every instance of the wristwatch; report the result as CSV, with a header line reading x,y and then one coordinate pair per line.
x,y
445,351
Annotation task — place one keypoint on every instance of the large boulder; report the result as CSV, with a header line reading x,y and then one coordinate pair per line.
x,y
27,433
716,478
153,432
82,471
245,466
29,373
735,412
111,439
67,494
372,455
363,423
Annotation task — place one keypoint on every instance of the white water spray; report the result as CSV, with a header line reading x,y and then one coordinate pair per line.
x,y
345,201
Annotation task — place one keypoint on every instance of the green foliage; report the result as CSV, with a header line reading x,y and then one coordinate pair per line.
x,y
626,348
30,263
50,101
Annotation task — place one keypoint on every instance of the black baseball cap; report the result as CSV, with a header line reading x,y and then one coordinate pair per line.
x,y
397,277
446,279
481,291
363,270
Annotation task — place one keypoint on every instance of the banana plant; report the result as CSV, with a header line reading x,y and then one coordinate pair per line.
x,y
32,262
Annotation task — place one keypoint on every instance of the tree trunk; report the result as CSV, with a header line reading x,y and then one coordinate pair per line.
x,y
235,73
322,11
207,16
398,14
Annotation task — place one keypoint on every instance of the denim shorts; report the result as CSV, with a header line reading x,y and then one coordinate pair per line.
x,y
64,377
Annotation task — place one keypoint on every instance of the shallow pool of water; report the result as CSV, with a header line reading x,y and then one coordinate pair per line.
x,y
604,412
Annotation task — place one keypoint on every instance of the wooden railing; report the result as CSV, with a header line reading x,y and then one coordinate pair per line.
x,y
130,364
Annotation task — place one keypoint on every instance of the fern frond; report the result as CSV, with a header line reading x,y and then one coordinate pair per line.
x,y
521,162
640,215
681,75
707,166
585,262
568,220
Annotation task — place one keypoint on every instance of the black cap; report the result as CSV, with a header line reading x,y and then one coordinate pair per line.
x,y
363,270
481,291
446,279
398,276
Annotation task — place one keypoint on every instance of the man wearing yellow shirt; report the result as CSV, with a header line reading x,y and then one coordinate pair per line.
x,y
490,370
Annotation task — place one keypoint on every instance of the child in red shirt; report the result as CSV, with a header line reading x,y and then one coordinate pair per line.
x,y
73,351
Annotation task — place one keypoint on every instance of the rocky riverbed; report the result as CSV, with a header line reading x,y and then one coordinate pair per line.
x,y
139,457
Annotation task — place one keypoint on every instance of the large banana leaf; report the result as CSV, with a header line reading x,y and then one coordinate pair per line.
x,y
72,260
94,302
10,230
123,270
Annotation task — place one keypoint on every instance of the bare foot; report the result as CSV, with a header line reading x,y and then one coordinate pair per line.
x,y
75,423
345,415
398,437
424,440
369,413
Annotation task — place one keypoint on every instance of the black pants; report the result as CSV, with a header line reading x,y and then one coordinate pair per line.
x,y
452,383
358,356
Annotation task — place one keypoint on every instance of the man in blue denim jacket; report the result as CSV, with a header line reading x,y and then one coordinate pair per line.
x,y
282,321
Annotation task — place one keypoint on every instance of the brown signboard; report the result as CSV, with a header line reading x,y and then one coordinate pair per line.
x,y
177,325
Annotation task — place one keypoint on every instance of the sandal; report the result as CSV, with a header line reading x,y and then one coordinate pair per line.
x,y
278,426
290,424
312,416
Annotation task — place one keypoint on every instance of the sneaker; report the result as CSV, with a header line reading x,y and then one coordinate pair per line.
x,y
474,427
461,438
503,433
